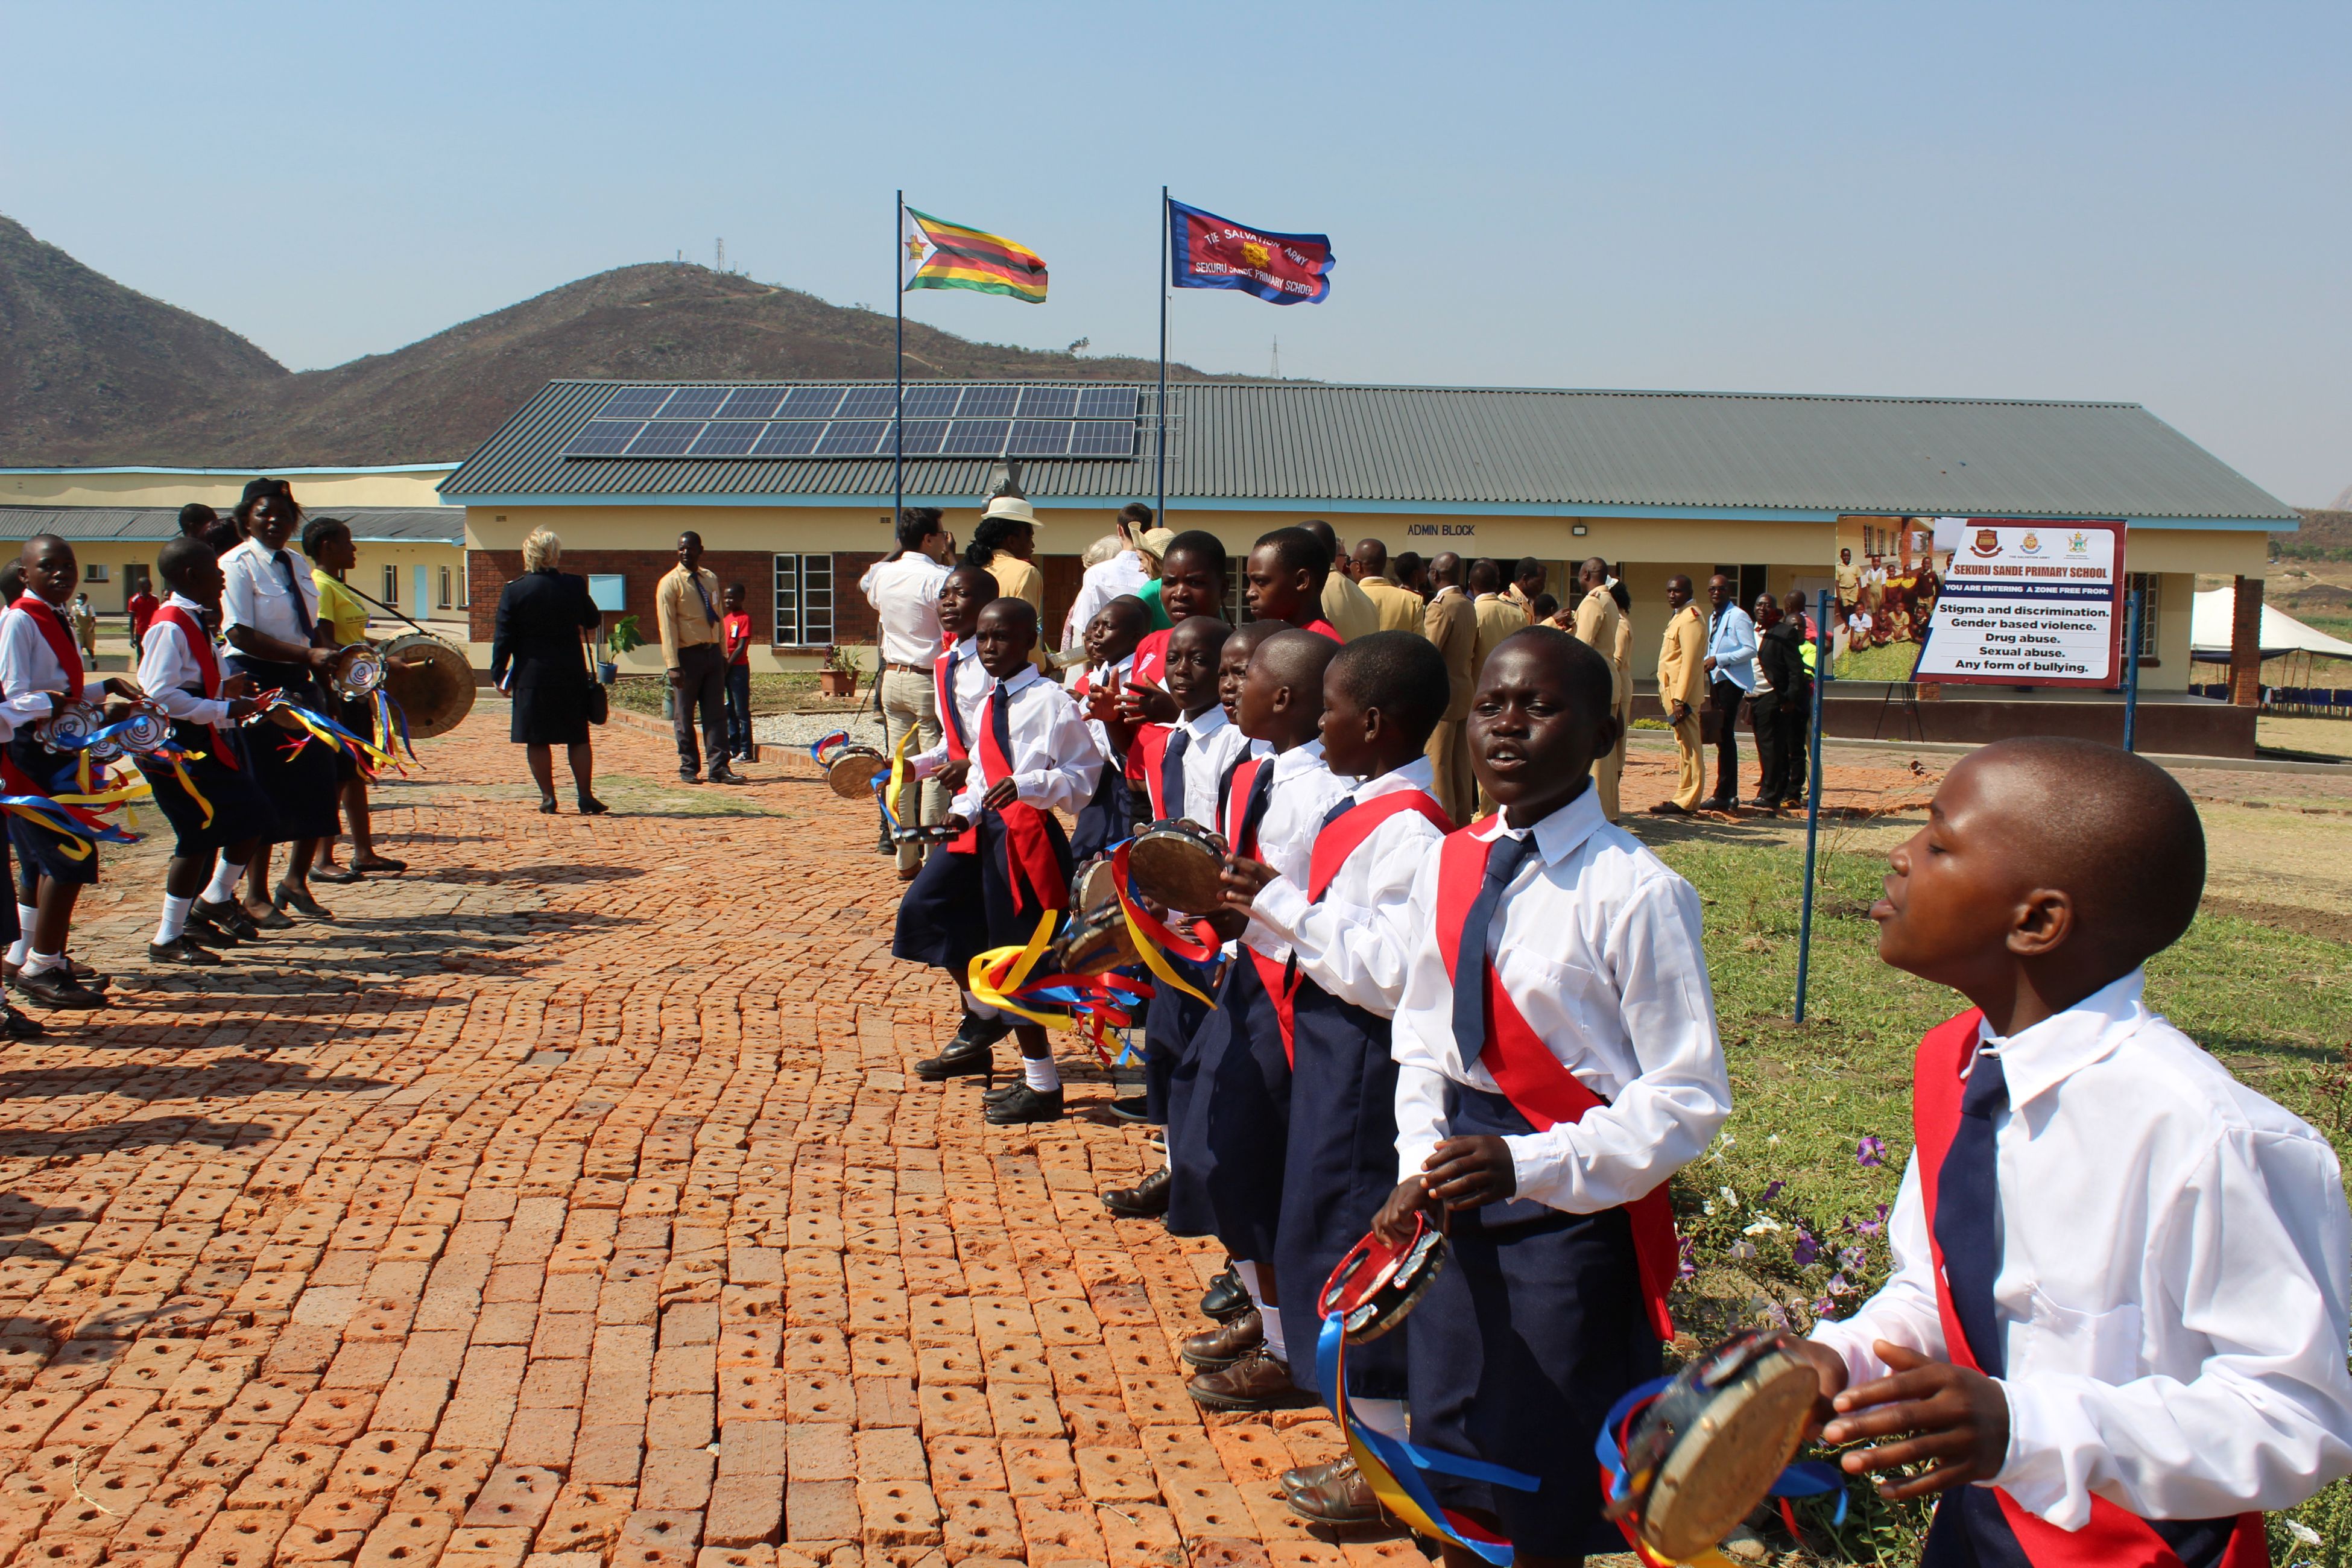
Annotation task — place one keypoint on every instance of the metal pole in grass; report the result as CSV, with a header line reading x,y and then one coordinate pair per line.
x,y
2131,672
1813,795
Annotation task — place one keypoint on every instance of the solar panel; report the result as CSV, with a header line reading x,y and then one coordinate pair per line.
x,y
1039,438
694,403
867,403
634,403
988,402
727,440
751,403
810,403
603,438
853,437
1108,402
1048,402
787,441
983,437
931,402
921,438
1102,438
665,438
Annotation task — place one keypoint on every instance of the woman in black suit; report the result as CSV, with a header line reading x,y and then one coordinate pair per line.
x,y
536,659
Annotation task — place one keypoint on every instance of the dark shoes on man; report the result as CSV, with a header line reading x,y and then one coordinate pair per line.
x,y
1147,1199
723,775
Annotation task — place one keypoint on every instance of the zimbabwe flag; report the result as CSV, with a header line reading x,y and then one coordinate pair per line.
x,y
951,256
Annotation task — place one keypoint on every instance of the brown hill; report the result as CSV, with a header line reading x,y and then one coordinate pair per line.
x,y
2325,536
87,364
440,398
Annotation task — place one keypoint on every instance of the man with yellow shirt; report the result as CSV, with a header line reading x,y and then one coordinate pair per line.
x,y
1598,624
1399,609
1346,607
1682,691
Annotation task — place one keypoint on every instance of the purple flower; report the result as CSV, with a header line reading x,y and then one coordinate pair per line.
x,y
1850,1257
1871,1152
1823,1306
1771,1191
1837,1286
1873,1226
1806,1248
1689,1268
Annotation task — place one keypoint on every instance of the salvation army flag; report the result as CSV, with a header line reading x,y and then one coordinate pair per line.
x,y
955,255
1205,251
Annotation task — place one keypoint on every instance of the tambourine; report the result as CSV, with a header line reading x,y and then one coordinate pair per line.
x,y
1096,940
357,672
1376,1284
1709,1447
70,727
144,731
851,769
1178,866
923,833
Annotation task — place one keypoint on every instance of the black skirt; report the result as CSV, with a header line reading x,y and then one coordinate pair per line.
x,y
300,781
550,703
43,851
239,810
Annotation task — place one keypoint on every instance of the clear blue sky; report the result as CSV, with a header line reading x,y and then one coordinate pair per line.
x,y
2135,201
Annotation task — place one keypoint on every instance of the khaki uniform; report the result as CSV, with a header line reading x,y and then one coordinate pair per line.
x,y
1452,627
1682,678
1599,625
1352,614
1497,617
1400,608
1019,579
1624,657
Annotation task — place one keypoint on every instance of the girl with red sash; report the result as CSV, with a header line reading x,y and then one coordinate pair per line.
x,y
1111,639
1229,1106
1009,862
2114,1331
1557,1061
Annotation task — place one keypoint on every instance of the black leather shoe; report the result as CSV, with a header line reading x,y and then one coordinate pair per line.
x,y
727,776
1224,1299
338,876
225,917
16,1026
1001,1092
57,988
206,934
591,807
286,896
1132,1107
971,1050
1147,1199
181,948
87,975
1025,1105
1335,1495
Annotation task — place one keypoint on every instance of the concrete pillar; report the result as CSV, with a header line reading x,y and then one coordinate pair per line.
x,y
2246,644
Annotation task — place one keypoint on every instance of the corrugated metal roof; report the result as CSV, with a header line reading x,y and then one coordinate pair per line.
x,y
144,524
1313,444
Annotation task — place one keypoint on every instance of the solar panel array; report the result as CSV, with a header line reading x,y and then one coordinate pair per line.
x,y
854,422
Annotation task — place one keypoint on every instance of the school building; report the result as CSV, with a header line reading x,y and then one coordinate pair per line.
x,y
790,485
411,545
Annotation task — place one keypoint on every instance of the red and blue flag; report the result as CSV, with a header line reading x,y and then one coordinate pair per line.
x,y
1206,251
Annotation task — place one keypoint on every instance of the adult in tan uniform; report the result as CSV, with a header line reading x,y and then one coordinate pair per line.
x,y
1682,690
1599,626
1452,625
1624,657
1346,607
1004,546
1398,607
1497,617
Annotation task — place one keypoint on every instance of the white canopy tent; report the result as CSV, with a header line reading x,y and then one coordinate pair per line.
x,y
2211,617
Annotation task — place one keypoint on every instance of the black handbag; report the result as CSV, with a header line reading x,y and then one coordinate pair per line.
x,y
599,701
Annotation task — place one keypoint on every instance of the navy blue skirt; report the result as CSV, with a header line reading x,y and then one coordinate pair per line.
x,y
1107,818
1342,1166
240,811
960,906
1533,1328
43,851
300,784
1229,1122
1171,1020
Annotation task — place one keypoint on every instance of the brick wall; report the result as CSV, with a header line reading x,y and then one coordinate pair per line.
x,y
489,571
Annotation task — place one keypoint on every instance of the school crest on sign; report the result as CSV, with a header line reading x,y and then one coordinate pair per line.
x,y
1987,541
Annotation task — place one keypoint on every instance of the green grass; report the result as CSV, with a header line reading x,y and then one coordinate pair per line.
x,y
1895,661
2274,1006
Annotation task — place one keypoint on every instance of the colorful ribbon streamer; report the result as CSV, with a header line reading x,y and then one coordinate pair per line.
x,y
390,726
320,727
1807,1477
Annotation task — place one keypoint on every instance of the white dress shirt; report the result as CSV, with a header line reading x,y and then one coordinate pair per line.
x,y
1215,744
30,672
967,684
256,595
2174,1256
1104,580
1304,789
904,595
1355,942
1093,677
1053,761
1597,943
168,668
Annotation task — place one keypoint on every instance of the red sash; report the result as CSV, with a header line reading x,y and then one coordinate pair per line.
x,y
1347,832
1035,871
200,648
1151,665
1143,759
1533,1079
1237,802
1320,625
2116,1537
51,621
943,695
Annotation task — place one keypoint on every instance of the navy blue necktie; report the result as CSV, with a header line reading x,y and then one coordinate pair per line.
x,y
1967,1210
1504,856
1172,774
1347,803
301,609
1260,796
1000,723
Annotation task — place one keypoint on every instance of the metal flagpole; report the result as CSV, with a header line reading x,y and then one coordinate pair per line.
x,y
2131,672
1159,465
1813,793
898,360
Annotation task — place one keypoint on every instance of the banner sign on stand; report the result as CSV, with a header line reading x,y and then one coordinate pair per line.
x,y
2027,602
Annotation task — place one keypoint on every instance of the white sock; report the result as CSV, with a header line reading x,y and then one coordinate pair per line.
x,y
25,915
1040,1074
976,1007
1247,1274
1270,1320
42,963
175,920
1385,1415
222,889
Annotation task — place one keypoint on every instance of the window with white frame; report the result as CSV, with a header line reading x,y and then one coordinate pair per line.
x,y
445,587
2145,583
803,601
391,587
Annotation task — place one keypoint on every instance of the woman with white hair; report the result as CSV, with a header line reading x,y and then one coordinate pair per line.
x,y
538,658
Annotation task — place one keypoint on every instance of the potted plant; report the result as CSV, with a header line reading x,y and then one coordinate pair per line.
x,y
623,637
839,676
